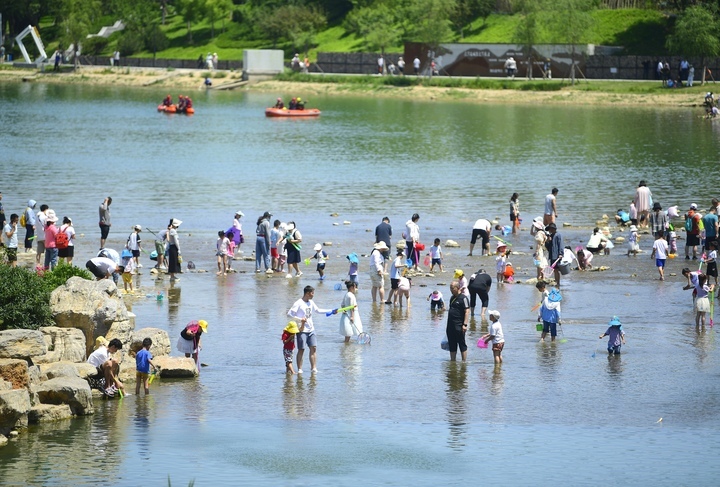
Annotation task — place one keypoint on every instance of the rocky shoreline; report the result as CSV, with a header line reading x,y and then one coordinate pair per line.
x,y
43,372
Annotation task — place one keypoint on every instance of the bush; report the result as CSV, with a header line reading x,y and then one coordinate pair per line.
x,y
94,45
24,299
156,39
57,277
130,43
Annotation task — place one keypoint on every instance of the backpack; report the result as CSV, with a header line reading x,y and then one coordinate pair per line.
x,y
688,224
23,220
61,239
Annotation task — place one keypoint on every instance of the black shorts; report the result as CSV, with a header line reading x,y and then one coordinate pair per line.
x,y
483,295
513,217
456,339
136,253
692,240
385,254
477,232
68,251
94,270
712,269
394,283
104,231
11,254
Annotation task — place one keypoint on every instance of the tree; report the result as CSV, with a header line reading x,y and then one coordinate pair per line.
x,y
191,11
528,28
571,22
429,22
696,35
294,23
218,9
467,11
78,19
377,26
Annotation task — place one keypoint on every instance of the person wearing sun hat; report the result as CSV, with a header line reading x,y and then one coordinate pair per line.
x,y
549,314
495,334
288,339
173,249
189,342
51,231
658,220
616,336
634,240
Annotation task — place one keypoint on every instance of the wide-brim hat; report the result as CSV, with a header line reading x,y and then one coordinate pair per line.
x,y
292,327
615,321
381,246
239,213
175,222
633,228
50,216
317,247
537,223
495,313
138,228
204,325
554,296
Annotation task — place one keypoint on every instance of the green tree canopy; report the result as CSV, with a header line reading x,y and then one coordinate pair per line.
x,y
376,25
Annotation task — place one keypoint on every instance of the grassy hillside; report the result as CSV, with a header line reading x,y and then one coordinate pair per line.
x,y
640,31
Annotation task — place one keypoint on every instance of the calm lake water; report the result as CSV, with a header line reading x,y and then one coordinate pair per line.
x,y
396,412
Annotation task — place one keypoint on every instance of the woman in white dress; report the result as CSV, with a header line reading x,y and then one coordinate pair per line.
x,y
350,323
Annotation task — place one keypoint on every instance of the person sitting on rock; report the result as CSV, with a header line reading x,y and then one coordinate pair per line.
x,y
107,367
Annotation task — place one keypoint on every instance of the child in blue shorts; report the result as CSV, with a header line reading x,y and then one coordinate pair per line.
x,y
616,336
660,252
436,255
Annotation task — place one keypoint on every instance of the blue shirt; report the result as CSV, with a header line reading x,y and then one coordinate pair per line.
x,y
142,361
710,220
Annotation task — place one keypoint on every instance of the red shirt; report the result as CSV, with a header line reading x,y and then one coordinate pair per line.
x,y
50,232
287,345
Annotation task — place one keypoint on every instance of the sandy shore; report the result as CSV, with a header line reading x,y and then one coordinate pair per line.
x,y
192,79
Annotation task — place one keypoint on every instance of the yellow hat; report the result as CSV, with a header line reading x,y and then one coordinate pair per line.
x,y
292,327
203,324
459,273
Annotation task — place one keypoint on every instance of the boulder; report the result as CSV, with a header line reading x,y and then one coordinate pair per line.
x,y
15,371
451,243
176,367
5,385
62,344
21,344
3,440
14,405
59,369
42,413
95,307
73,391
160,341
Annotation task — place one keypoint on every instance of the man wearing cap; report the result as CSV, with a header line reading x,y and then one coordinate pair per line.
x,y
550,207
482,229
262,243
377,270
383,233
457,323
554,246
302,311
134,245
693,235
105,224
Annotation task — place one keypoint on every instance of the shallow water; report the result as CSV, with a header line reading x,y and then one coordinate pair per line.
x,y
395,412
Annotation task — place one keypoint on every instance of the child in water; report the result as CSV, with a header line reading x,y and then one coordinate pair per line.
x,y
436,255
143,361
436,301
127,268
660,253
353,270
711,261
633,241
504,230
672,240
495,334
500,261
288,339
321,257
223,246
616,336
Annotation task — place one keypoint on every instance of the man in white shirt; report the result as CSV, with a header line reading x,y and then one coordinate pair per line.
x,y
416,66
101,267
302,312
482,229
108,367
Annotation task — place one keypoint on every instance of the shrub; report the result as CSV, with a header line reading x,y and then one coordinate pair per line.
x,y
156,39
24,299
57,277
130,43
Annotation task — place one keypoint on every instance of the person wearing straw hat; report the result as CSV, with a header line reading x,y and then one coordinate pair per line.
x,y
173,249
377,271
288,339
51,231
189,342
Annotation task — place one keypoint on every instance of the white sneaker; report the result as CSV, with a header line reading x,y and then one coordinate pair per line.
x,y
314,371
140,265
299,371
269,271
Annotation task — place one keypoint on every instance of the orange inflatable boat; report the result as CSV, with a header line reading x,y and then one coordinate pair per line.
x,y
284,112
173,109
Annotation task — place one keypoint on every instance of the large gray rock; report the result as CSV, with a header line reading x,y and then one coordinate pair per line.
x,y
5,385
72,391
41,413
21,344
59,369
176,367
160,339
14,405
15,371
62,344
95,307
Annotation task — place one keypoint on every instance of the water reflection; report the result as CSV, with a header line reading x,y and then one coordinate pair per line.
x,y
141,423
172,296
456,392
548,358
614,366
